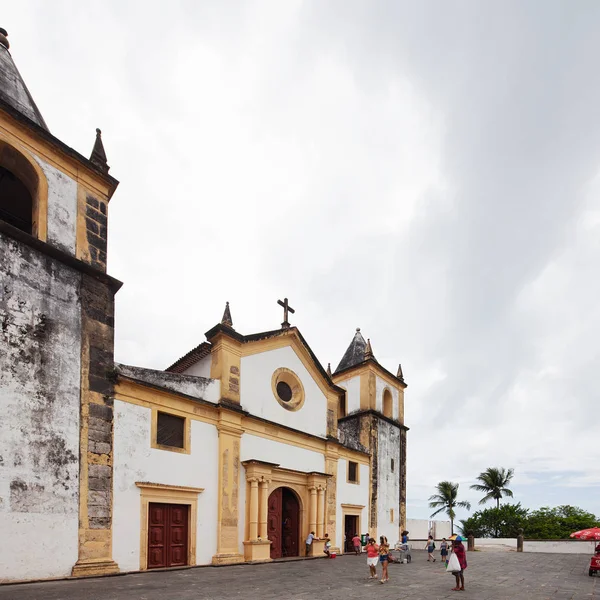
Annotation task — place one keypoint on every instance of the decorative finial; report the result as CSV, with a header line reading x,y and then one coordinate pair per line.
x,y
98,157
3,36
368,350
227,320
358,330
286,308
329,370
400,375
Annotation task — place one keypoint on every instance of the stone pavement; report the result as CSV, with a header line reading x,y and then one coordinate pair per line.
x,y
490,576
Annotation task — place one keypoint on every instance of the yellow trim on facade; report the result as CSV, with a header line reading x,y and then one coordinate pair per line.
x,y
187,432
290,338
21,135
351,510
167,494
139,394
17,158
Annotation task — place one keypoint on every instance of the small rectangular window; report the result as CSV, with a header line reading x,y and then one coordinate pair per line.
x,y
391,515
392,465
170,430
353,472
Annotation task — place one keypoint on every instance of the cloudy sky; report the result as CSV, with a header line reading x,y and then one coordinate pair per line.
x,y
428,171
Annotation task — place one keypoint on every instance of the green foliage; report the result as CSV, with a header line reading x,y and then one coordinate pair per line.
x,y
543,524
493,482
558,523
503,522
446,500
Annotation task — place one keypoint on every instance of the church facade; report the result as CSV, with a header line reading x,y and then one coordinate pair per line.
x,y
232,454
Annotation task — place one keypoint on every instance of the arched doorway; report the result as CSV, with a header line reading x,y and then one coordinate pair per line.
x,y
283,524
16,204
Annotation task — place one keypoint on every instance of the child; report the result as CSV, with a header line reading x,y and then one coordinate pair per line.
x,y
430,547
327,548
356,543
444,551
372,557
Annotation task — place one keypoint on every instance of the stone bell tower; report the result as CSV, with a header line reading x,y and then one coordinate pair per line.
x,y
56,345
372,420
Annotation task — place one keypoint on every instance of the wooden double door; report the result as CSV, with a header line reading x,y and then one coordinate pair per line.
x,y
283,524
168,527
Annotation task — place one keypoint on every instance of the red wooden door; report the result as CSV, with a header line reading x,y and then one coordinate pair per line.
x,y
274,522
167,535
291,523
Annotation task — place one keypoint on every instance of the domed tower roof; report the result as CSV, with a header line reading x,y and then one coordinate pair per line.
x,y
13,90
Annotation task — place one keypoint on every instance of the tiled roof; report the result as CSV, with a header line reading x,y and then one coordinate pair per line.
x,y
191,358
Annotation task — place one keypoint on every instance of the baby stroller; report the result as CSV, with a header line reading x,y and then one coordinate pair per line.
x,y
403,551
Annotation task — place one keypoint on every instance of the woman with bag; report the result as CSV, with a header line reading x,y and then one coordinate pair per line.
x,y
458,563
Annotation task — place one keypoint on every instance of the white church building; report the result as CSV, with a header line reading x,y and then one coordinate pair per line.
x,y
232,454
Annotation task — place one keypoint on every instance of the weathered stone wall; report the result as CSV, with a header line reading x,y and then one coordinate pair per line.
x,y
96,228
96,441
388,480
40,358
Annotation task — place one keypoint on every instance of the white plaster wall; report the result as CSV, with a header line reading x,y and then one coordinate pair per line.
x,y
442,529
258,399
559,546
287,456
40,372
352,387
418,529
380,386
201,368
388,481
62,208
135,460
351,493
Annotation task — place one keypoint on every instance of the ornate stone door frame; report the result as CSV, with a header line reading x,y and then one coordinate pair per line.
x,y
262,478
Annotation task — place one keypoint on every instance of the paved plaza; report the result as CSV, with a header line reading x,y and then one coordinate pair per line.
x,y
490,576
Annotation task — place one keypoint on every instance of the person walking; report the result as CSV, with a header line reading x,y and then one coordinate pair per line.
x,y
430,547
444,551
459,549
372,550
356,544
384,556
309,541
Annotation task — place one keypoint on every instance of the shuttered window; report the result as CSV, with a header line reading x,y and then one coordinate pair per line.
x,y
170,430
353,472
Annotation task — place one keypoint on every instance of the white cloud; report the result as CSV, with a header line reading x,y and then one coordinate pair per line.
x,y
425,171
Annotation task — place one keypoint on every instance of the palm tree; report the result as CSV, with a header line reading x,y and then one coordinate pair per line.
x,y
446,500
493,483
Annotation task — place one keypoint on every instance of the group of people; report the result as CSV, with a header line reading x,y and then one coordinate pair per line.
x,y
380,554
312,537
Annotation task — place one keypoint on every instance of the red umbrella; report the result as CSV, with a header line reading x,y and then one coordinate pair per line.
x,y
587,534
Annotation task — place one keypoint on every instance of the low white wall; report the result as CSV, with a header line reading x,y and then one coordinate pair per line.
x,y
559,546
420,529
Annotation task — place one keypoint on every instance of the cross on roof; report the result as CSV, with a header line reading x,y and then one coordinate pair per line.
x,y
286,308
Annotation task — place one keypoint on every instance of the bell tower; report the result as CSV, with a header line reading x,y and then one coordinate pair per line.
x,y
56,344
372,419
